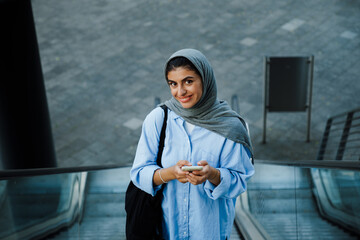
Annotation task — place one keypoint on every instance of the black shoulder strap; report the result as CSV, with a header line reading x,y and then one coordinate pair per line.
x,y
162,136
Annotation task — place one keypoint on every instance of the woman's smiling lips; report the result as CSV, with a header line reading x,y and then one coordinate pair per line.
x,y
185,99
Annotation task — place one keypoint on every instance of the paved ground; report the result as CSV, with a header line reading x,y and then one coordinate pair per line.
x,y
103,66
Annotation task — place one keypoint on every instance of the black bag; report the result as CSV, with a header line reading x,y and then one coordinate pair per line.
x,y
144,212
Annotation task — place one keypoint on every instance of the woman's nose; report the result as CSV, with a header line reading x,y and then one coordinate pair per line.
x,y
181,91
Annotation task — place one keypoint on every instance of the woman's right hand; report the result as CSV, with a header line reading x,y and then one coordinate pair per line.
x,y
171,173
179,174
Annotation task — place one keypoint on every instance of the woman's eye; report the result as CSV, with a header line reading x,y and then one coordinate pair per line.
x,y
188,81
172,84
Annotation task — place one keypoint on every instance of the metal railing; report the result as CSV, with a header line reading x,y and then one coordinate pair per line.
x,y
341,138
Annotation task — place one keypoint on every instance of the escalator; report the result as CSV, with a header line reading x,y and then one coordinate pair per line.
x,y
301,200
104,214
285,200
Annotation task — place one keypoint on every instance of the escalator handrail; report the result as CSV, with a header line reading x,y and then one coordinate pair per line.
x,y
344,164
15,173
335,164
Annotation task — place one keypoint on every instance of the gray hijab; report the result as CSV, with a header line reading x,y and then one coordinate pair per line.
x,y
209,112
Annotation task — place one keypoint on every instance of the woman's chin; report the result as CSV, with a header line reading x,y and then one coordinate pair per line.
x,y
186,105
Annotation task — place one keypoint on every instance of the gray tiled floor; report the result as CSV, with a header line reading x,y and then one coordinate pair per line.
x,y
103,66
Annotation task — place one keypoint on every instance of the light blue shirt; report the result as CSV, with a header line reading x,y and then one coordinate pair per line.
x,y
191,211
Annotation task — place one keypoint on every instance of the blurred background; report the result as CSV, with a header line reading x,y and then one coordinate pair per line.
x,y
103,66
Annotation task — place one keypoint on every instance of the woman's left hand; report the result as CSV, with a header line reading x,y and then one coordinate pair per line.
x,y
207,173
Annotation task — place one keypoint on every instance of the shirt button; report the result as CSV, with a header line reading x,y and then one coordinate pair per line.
x,y
184,199
184,233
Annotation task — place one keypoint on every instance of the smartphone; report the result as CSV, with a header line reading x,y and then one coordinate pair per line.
x,y
192,168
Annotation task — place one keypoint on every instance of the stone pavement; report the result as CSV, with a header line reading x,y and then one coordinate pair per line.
x,y
103,66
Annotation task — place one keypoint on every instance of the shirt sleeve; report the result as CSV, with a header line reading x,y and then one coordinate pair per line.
x,y
235,170
145,165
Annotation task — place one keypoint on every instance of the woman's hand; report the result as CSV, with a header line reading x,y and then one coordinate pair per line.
x,y
164,175
179,174
207,173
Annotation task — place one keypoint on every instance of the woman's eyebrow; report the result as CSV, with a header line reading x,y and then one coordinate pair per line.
x,y
185,78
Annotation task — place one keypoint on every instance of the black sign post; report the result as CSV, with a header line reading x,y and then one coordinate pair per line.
x,y
288,86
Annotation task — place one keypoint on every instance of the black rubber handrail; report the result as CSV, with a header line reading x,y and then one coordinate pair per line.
x,y
15,173
341,165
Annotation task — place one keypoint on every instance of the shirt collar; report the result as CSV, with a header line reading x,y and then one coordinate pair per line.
x,y
174,116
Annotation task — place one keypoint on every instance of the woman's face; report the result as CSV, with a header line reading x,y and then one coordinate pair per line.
x,y
185,86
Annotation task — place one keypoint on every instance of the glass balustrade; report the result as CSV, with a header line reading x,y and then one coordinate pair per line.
x,y
286,202
338,196
35,206
68,205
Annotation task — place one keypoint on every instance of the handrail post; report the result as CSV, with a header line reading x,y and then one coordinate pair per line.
x,y
344,136
311,62
266,75
324,140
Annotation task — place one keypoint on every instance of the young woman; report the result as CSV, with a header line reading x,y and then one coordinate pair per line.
x,y
201,131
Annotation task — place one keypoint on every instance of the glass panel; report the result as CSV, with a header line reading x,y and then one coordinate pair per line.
x,y
341,201
288,202
272,200
36,207
343,188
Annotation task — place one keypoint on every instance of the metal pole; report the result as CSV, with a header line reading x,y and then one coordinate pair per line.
x,y
324,140
344,136
310,98
266,64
